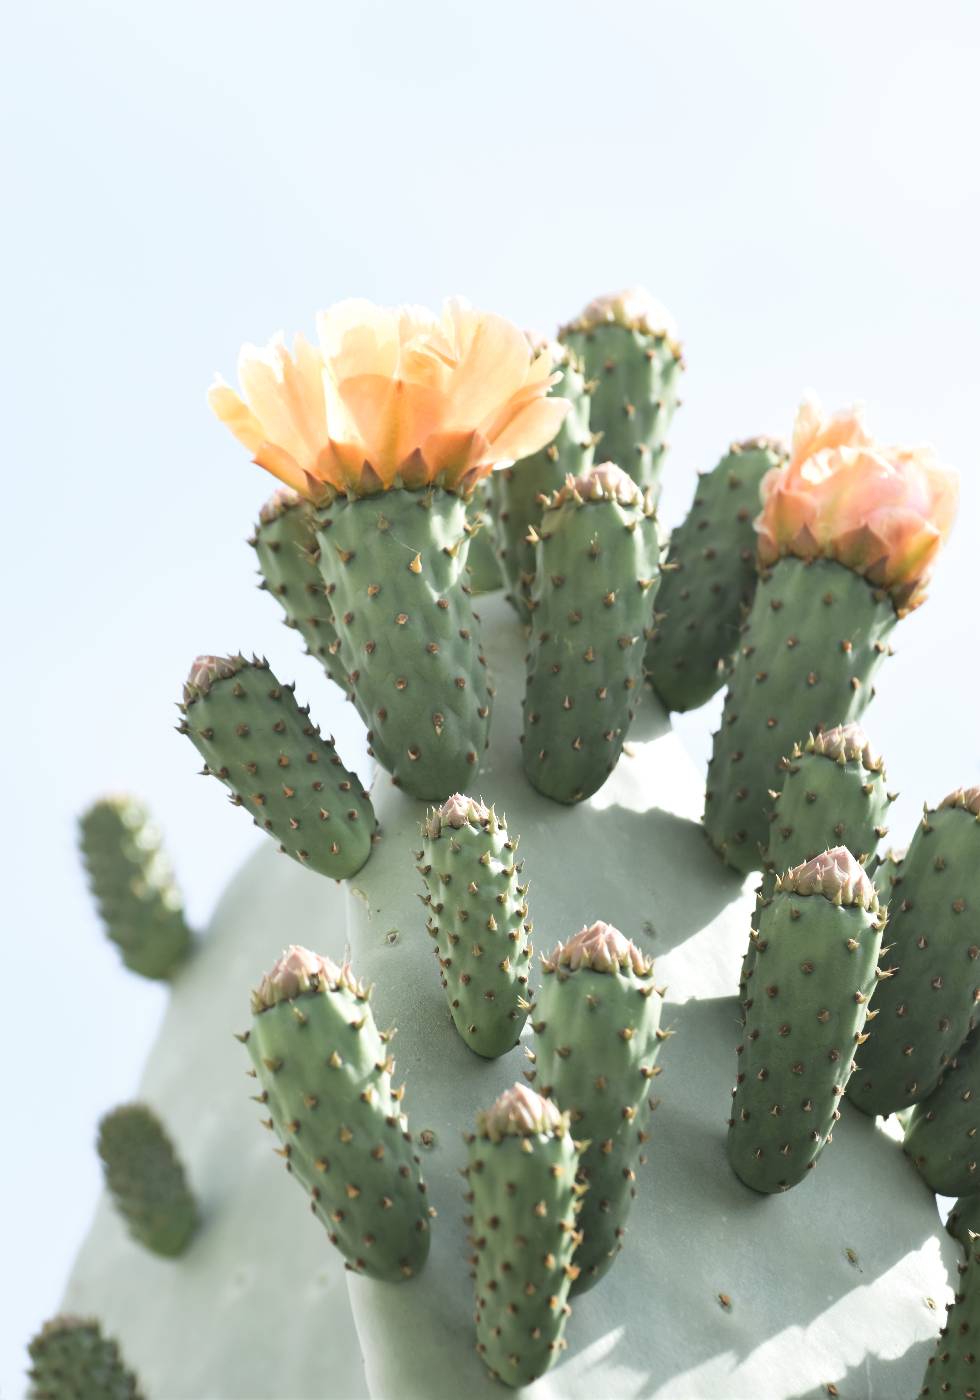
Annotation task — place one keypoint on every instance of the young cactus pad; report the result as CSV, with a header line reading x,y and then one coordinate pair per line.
x,y
146,1180
629,347
523,1200
263,746
597,571
134,887
325,1074
71,1360
815,969
710,578
288,555
394,565
927,1006
478,917
596,1039
942,1138
520,492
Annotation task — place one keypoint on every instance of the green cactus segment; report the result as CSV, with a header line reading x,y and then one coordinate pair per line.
x,y
524,1198
598,565
942,1138
478,918
71,1360
325,1075
964,1219
133,885
954,1368
834,793
146,1180
815,969
518,490
485,574
633,361
596,1039
288,555
815,636
886,872
710,578
927,1005
394,564
262,745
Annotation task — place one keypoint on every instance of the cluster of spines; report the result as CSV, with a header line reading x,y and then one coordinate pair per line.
x,y
134,888
524,1200
478,918
72,1360
597,1036
325,1072
263,746
146,1180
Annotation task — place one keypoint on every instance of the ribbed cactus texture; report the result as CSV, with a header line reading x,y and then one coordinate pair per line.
x,y
71,1360
477,916
146,1179
710,578
134,887
394,566
927,1005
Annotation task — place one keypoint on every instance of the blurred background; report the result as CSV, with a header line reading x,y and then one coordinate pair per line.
x,y
799,184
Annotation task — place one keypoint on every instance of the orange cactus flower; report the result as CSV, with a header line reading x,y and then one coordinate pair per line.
x,y
392,397
882,511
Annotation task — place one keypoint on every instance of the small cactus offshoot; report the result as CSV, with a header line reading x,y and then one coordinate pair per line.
x,y
146,1180
134,887
71,1360
523,1198
325,1074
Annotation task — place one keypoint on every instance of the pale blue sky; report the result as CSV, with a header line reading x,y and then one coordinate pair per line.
x,y
799,184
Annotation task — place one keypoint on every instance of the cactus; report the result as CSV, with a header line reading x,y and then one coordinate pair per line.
x,y
485,574
815,969
524,1199
847,535
596,1041
519,492
134,887
941,1139
288,555
928,1004
964,1218
325,1075
146,1180
478,918
629,347
265,749
709,578
954,1369
71,1360
598,565
833,794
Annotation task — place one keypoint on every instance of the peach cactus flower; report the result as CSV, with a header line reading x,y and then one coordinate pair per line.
x,y
882,511
392,396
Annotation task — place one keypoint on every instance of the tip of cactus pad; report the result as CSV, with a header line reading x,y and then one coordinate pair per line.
x,y
600,947
457,811
603,482
520,1112
634,308
205,670
835,874
844,743
281,500
967,798
298,970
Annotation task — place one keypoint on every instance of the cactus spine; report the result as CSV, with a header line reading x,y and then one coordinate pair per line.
x,y
954,1368
598,565
71,1360
710,578
288,555
628,345
394,565
941,1138
816,965
134,888
928,1004
478,919
815,635
519,492
325,1074
264,748
146,1180
596,1039
524,1198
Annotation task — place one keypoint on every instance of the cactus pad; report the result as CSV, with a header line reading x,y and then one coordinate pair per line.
x,y
146,1180
71,1360
942,1139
